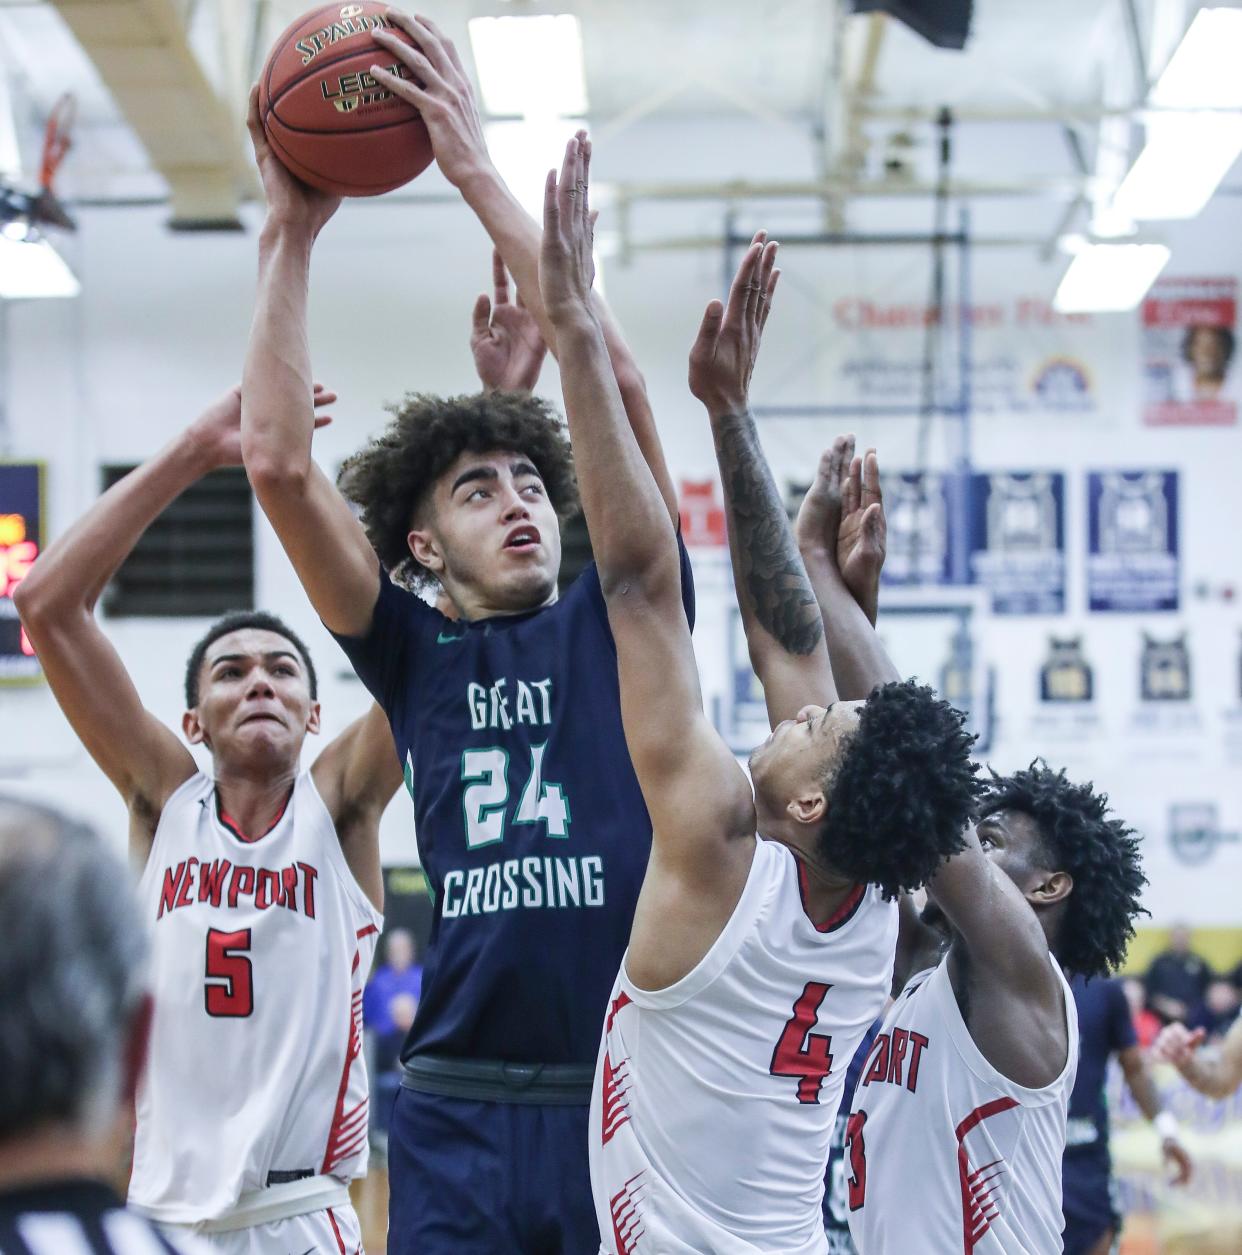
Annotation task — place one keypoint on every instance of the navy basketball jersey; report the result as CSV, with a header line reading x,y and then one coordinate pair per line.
x,y
531,827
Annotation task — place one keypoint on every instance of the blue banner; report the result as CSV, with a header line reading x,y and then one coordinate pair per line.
x,y
1016,526
21,536
1132,549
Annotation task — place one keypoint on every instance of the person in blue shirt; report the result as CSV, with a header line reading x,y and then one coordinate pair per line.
x,y
530,823
1089,1199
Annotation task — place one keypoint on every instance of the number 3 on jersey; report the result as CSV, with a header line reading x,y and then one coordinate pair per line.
x,y
801,1053
485,774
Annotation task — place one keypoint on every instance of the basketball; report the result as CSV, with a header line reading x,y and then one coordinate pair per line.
x,y
327,118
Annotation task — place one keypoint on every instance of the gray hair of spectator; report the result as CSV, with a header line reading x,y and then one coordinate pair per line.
x,y
72,972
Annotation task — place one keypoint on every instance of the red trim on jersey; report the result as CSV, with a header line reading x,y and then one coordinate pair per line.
x,y
235,828
367,931
348,1131
619,1003
340,1241
842,915
979,1208
626,1222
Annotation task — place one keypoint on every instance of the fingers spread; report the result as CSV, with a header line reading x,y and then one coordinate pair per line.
x,y
551,208
871,491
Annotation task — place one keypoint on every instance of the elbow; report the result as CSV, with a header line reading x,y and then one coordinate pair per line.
x,y
272,476
34,601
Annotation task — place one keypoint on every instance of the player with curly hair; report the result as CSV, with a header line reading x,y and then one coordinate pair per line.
x,y
754,960
957,1127
530,824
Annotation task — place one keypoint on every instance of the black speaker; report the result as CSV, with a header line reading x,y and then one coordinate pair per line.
x,y
945,23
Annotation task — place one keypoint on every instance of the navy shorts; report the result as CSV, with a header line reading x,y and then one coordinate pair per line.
x,y
487,1178
1089,1201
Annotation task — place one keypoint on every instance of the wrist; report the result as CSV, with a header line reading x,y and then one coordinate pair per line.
x,y
575,320
1166,1126
281,232
477,179
723,407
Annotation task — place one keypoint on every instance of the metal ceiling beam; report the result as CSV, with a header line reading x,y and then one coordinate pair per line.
x,y
142,51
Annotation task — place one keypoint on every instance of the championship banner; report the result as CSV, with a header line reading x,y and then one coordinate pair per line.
x,y
1188,349
21,536
917,509
1017,540
1004,349
1132,546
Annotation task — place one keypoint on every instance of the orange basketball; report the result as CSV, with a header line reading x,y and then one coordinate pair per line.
x,y
327,118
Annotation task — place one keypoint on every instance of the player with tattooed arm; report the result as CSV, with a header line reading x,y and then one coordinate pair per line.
x,y
753,961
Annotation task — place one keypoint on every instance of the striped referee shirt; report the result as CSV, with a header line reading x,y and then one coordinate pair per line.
x,y
78,1217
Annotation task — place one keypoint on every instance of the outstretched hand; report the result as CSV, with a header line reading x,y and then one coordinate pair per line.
x,y
723,356
441,92
566,263
843,514
217,430
290,202
1177,1044
506,342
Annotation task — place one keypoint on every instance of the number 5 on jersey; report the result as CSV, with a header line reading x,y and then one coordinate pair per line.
x,y
229,990
485,773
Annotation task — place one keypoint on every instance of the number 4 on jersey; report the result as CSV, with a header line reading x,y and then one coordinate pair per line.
x,y
485,773
801,1053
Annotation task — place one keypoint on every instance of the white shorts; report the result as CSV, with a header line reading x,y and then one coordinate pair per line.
x,y
331,1231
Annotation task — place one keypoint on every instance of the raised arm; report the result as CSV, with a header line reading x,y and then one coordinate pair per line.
x,y
446,102
1213,1070
56,600
324,540
784,630
700,801
356,775
827,514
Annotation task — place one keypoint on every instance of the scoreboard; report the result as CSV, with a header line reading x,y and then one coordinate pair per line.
x,y
21,538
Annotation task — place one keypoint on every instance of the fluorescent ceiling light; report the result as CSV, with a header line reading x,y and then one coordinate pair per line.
x,y
530,65
30,267
1106,278
1187,154
524,152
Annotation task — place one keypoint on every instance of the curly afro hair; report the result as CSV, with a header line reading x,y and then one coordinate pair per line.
x,y
1101,854
235,623
392,478
903,792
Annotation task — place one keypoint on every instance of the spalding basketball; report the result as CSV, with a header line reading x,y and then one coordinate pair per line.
x,y
327,118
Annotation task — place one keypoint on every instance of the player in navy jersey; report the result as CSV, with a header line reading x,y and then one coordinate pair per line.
x,y
1092,1218
530,824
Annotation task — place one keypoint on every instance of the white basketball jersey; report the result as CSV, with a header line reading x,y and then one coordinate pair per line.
x,y
945,1154
260,950
714,1099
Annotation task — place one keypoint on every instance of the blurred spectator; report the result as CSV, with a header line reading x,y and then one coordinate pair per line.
x,y
75,1020
400,974
388,1008
1105,1030
1177,980
1219,1010
1146,1023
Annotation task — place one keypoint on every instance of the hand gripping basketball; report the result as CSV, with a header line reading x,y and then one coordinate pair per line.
x,y
329,119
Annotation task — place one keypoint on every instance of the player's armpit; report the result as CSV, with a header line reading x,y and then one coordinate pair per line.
x,y
356,775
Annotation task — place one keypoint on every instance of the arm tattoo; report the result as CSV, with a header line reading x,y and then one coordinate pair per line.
x,y
766,564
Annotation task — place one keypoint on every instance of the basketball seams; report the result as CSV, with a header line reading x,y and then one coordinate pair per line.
x,y
297,82
315,179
